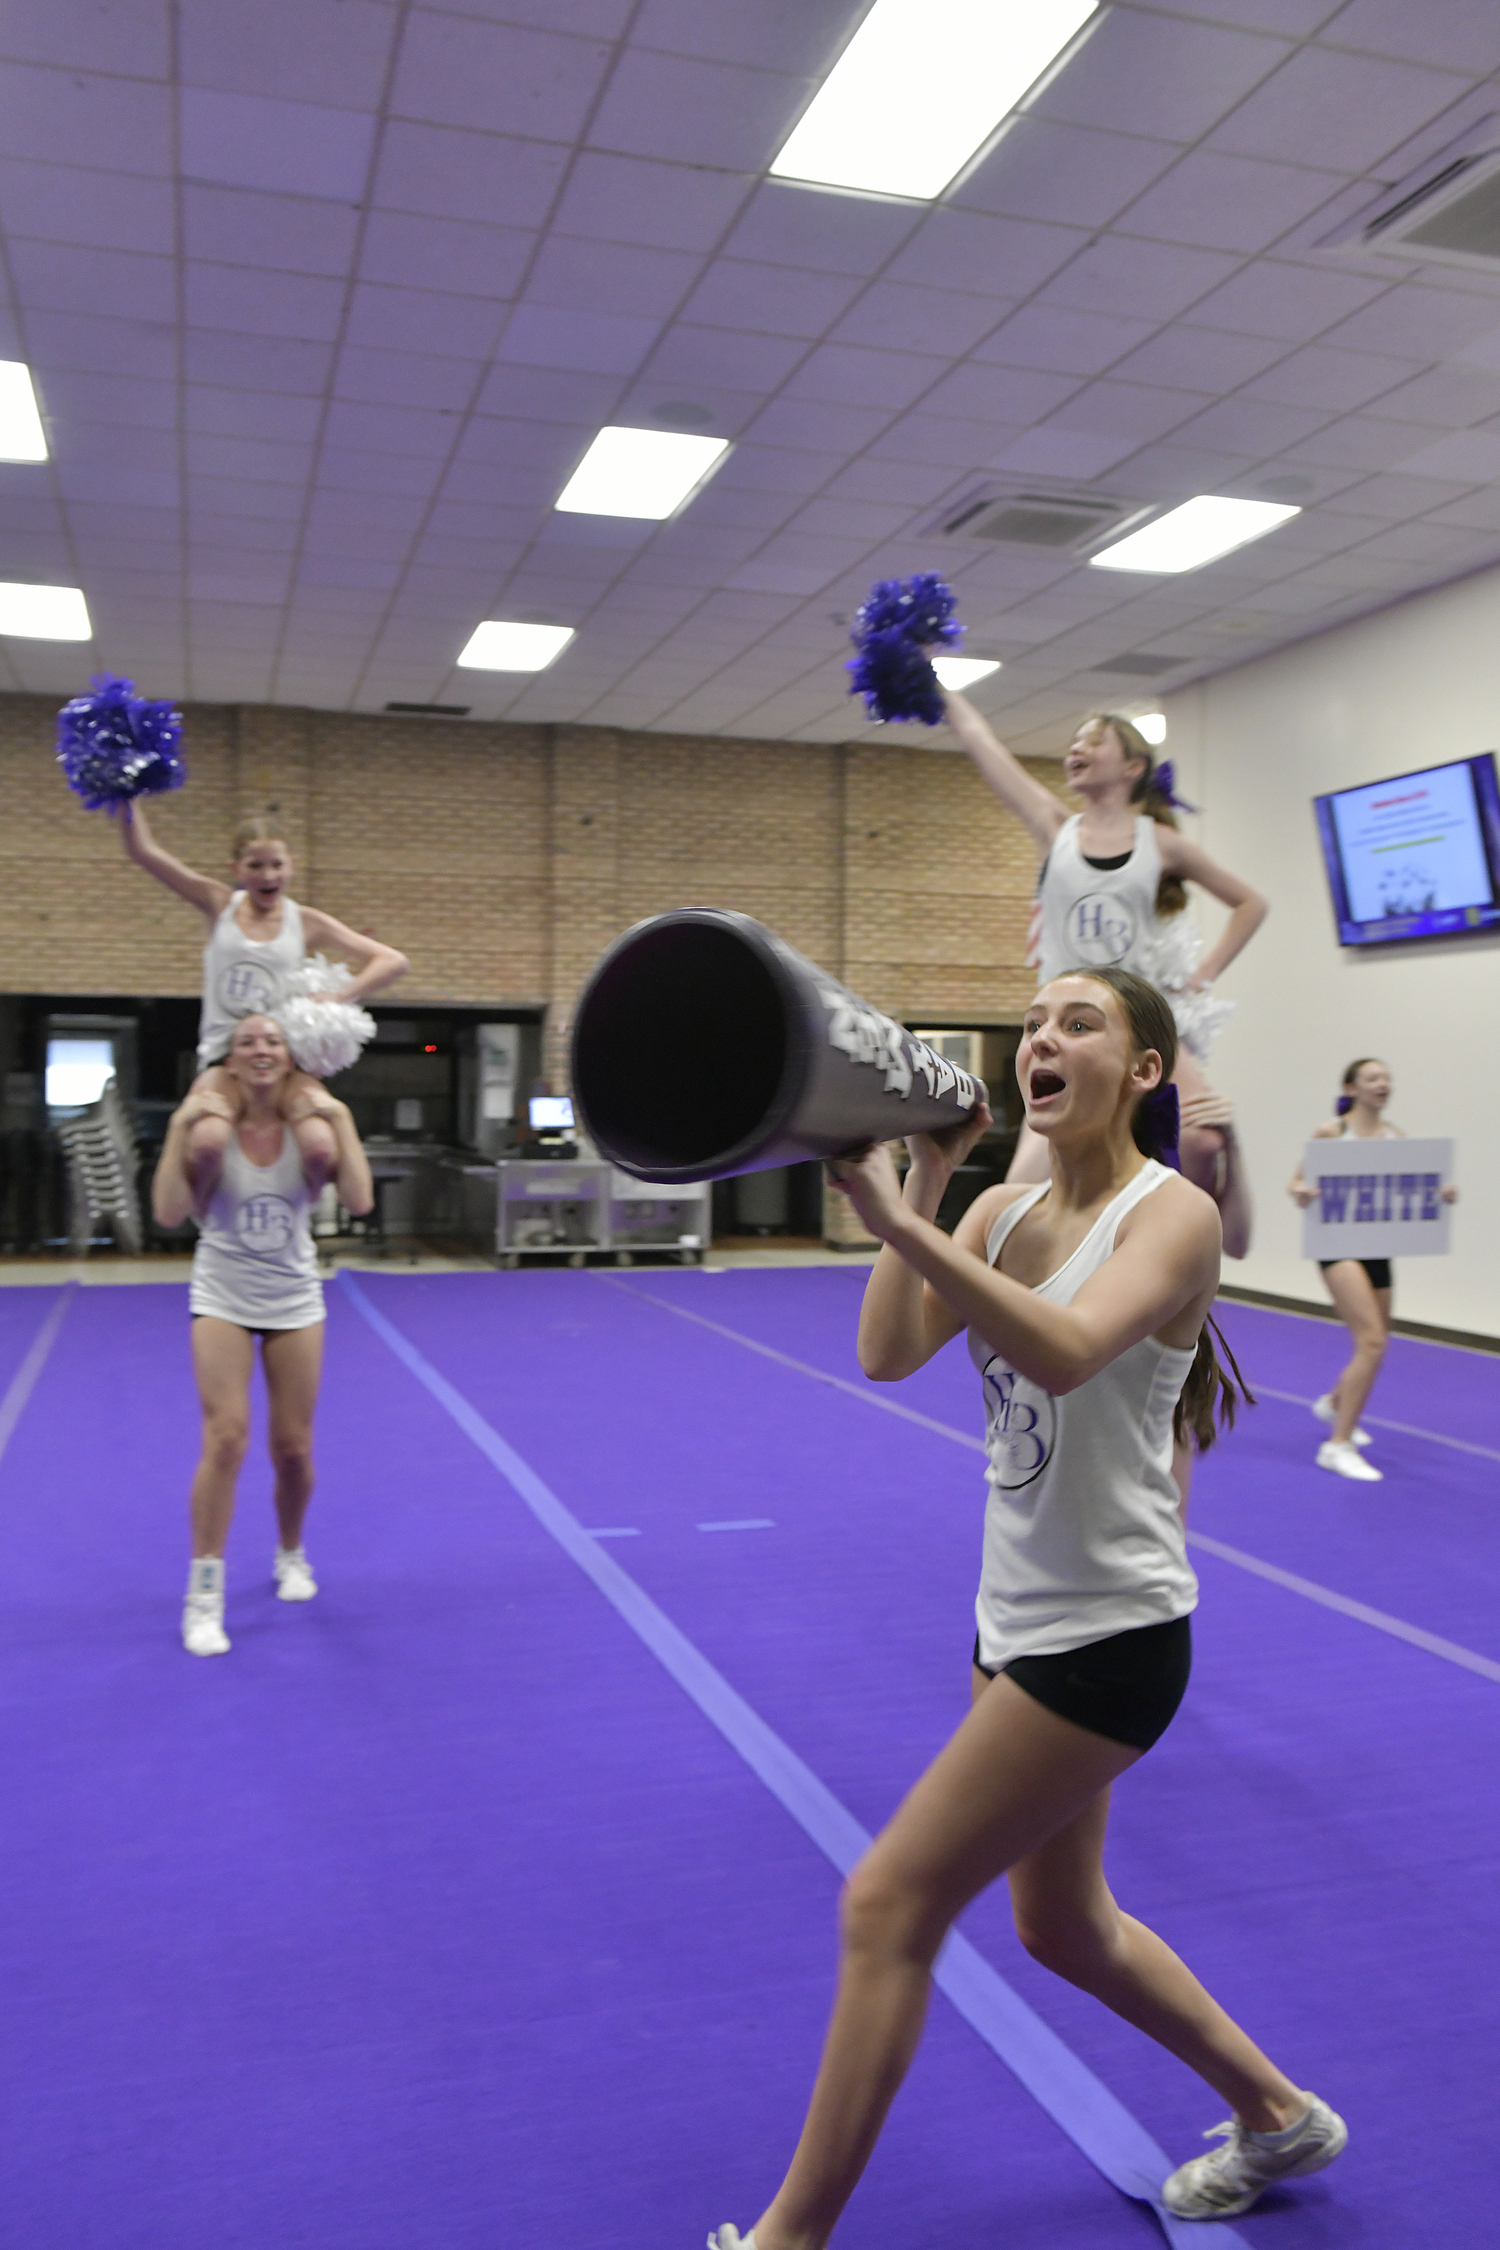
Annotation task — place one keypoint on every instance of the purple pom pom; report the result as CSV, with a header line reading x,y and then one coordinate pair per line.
x,y
114,745
901,619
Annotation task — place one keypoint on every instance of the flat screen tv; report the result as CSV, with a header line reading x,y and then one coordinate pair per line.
x,y
1417,856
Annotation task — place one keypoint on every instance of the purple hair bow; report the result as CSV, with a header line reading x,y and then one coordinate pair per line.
x,y
1160,1120
1164,779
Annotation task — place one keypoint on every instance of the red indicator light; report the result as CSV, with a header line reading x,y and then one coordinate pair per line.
x,y
429,1050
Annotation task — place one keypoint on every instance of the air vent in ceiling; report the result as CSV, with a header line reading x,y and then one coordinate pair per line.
x,y
432,710
1447,211
1067,522
1141,664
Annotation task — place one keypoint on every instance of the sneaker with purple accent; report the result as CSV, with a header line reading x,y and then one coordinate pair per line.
x,y
1238,2172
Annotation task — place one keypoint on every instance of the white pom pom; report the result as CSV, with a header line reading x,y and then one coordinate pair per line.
x,y
1167,959
324,1036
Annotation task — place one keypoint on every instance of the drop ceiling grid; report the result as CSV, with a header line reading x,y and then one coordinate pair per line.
x,y
322,490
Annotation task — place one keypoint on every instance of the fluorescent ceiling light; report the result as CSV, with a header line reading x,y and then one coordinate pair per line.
x,y
963,671
500,647
917,91
1196,533
22,437
1151,726
639,473
44,613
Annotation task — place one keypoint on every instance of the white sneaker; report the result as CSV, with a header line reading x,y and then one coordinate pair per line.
x,y
203,1631
294,1579
1236,2175
1327,1412
730,2238
1345,1462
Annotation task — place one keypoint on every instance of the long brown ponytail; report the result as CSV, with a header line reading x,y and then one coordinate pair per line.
x,y
1153,1030
1152,799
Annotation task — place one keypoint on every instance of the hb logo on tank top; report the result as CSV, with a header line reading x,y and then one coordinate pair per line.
x,y
245,988
264,1224
1022,1425
1101,928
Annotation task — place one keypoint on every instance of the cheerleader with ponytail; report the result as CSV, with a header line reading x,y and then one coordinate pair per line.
x,y
1113,889
1086,1304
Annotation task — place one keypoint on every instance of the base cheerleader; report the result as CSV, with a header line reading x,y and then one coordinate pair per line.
x,y
1086,1300
1112,890
258,940
255,1275
1360,1287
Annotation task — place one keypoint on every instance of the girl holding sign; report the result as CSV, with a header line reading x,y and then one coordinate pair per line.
x,y
1360,1287
255,1274
1085,1300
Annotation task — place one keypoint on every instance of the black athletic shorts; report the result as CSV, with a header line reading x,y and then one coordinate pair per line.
x,y
1378,1269
1127,1687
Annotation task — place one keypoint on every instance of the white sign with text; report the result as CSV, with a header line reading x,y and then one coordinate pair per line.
x,y
1376,1198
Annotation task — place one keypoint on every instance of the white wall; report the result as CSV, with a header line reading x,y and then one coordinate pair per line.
x,y
1410,687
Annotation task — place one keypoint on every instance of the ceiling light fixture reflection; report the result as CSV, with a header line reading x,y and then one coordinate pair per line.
x,y
44,613
646,473
912,96
1151,726
963,671
498,646
22,437
1196,533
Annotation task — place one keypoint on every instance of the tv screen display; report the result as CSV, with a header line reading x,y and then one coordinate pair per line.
x,y
550,1113
1417,856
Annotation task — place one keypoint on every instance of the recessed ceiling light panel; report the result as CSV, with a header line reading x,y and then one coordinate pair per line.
x,y
22,437
645,473
1196,533
497,646
913,95
963,671
44,613
1151,726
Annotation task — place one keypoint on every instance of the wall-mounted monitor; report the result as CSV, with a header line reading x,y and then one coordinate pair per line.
x,y
550,1113
1417,856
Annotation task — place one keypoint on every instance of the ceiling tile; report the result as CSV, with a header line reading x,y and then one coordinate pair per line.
x,y
423,320
416,433
940,440
695,112
236,226
211,454
297,148
225,496
116,284
1359,442
1138,280
351,468
1456,396
69,116
815,426
773,300
1467,457
1171,79
1198,359
259,303
792,226
75,395
993,257
1067,341
134,347
1075,175
628,199
1009,396
442,172
406,379
1229,202
899,317
610,277
1250,427
1293,302
1321,376
91,35
270,364
101,210
1127,410
590,343
342,47
917,484
1344,110
1417,322
847,374
496,77
548,394
460,256
688,356
789,35
1464,35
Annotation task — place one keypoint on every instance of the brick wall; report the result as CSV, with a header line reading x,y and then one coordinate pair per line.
x,y
503,859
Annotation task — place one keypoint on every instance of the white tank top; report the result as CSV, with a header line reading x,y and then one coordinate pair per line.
x,y
1082,1533
255,1262
1092,916
244,976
